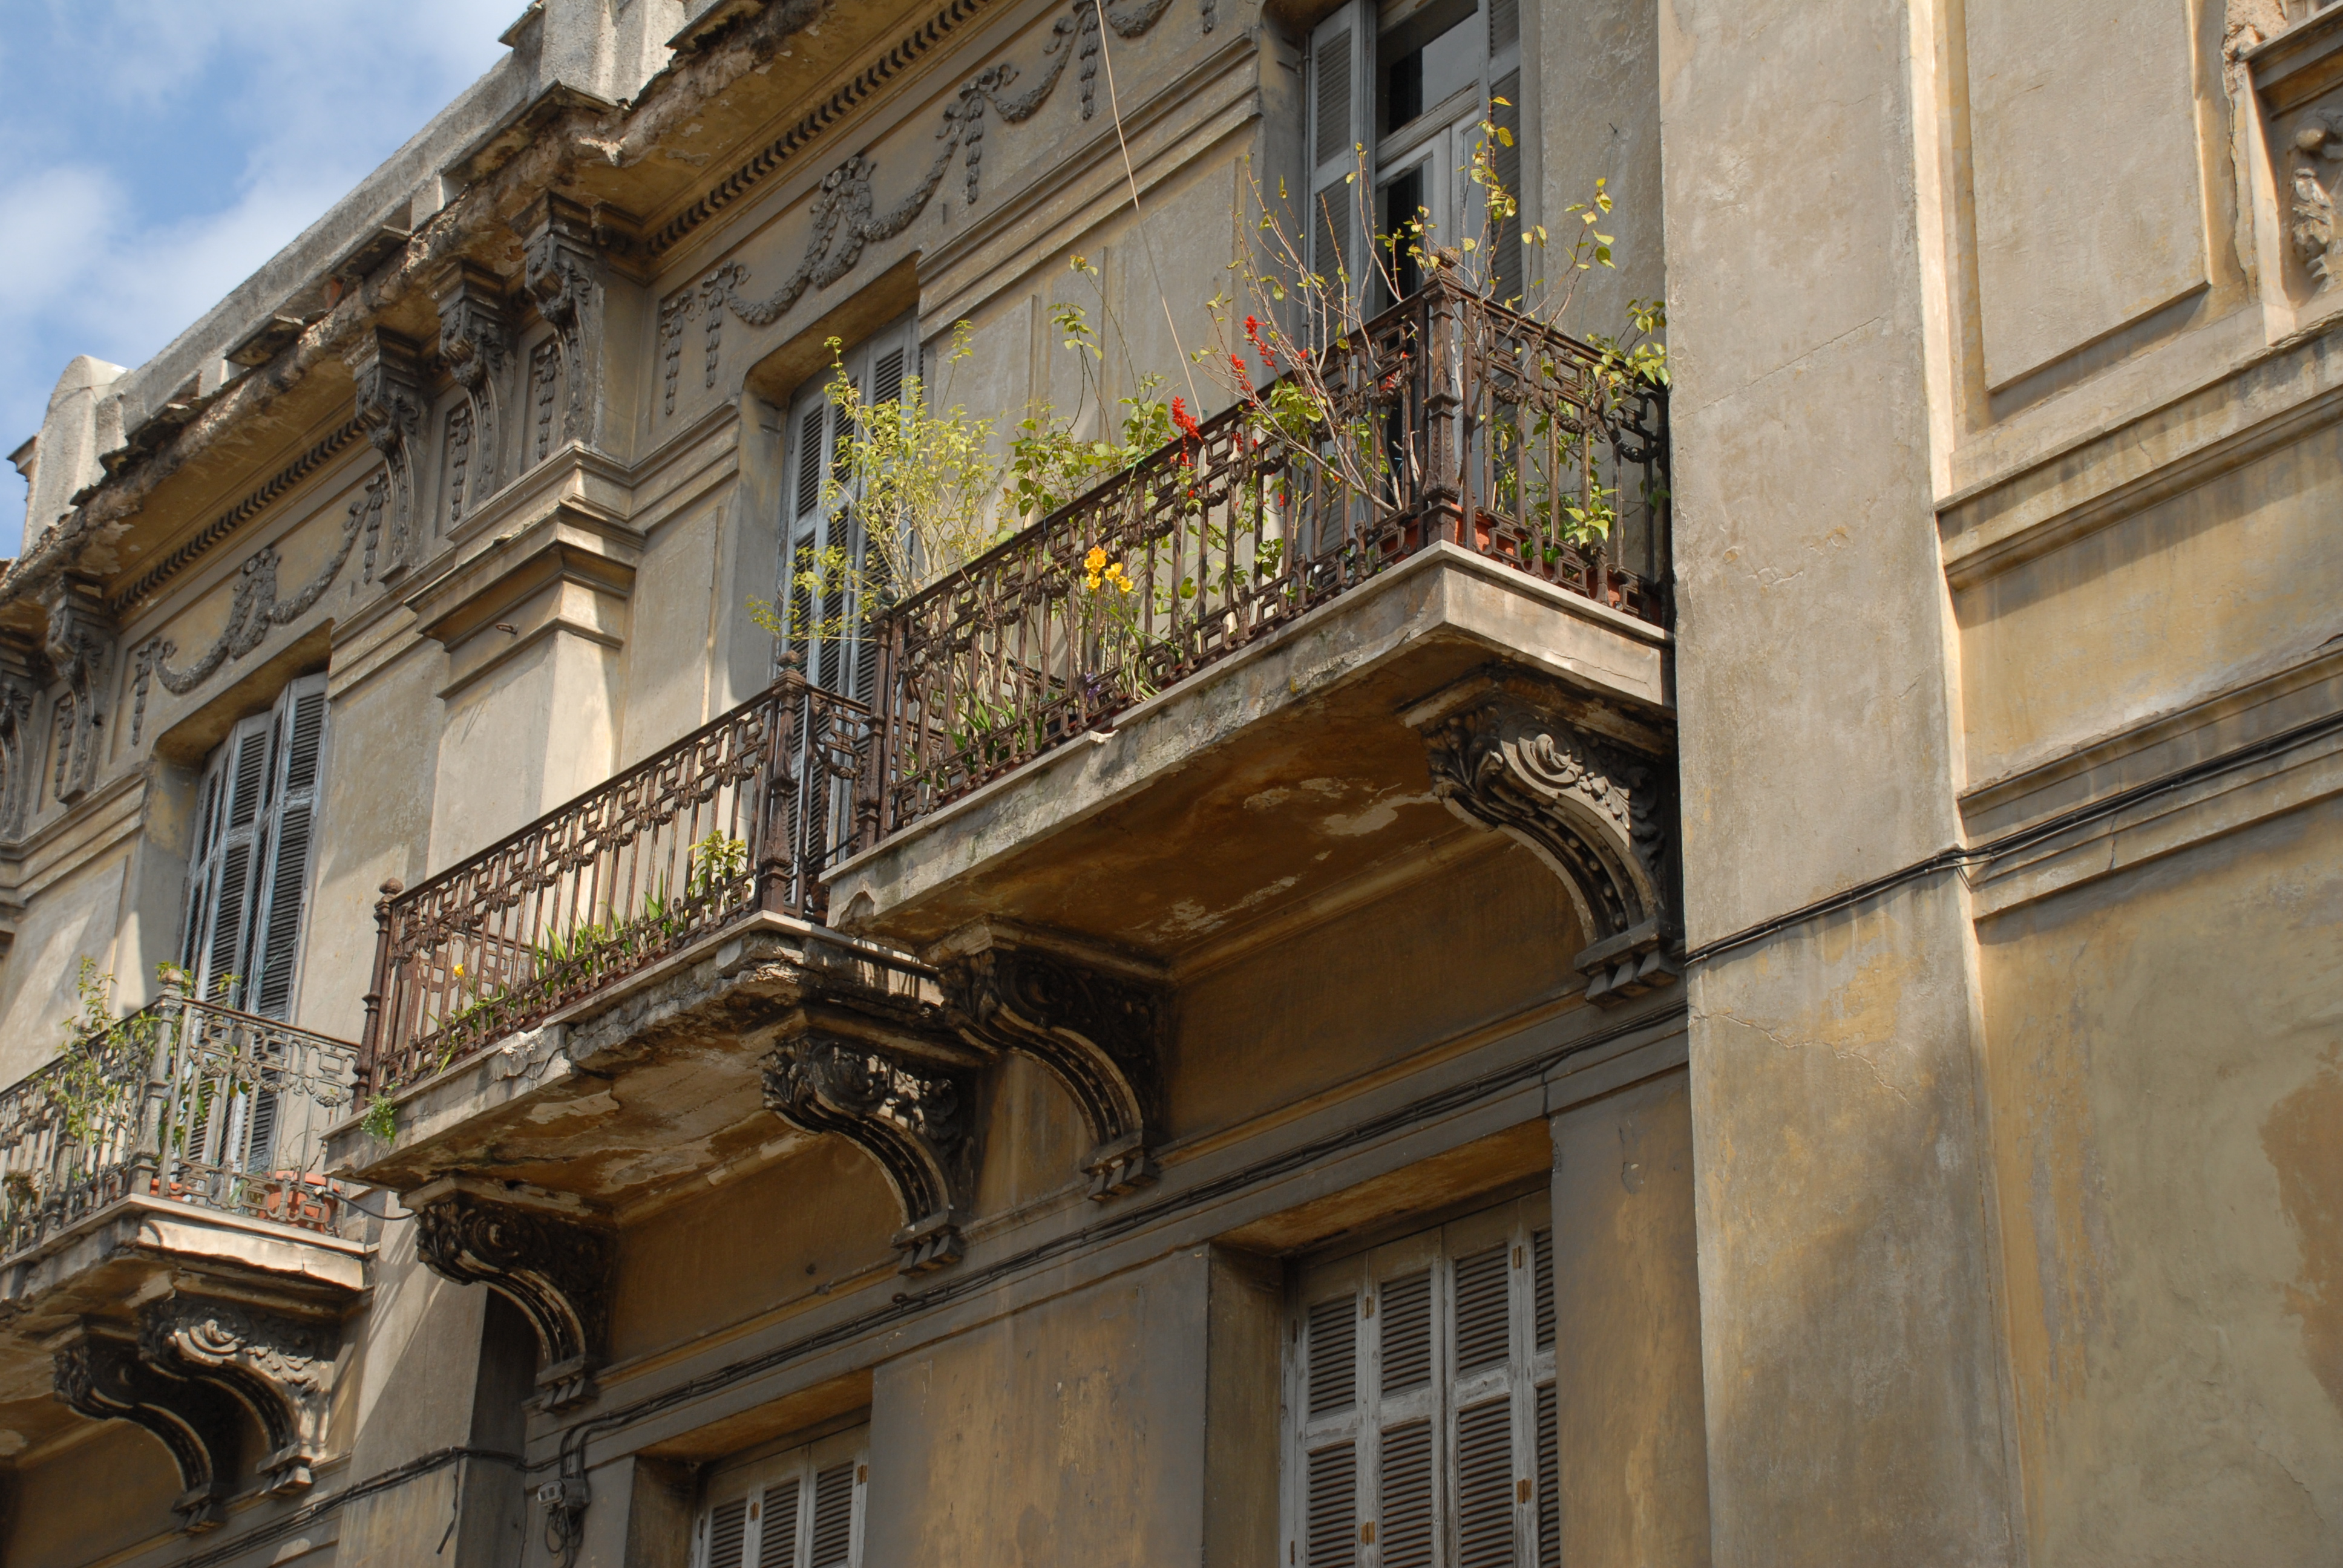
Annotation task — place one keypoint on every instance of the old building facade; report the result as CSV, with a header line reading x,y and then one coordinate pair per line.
x,y
1265,1018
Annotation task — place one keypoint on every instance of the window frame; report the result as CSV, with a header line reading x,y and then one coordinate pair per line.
x,y
1525,1379
751,1480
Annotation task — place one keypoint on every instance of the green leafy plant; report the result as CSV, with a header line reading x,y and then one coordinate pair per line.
x,y
380,1121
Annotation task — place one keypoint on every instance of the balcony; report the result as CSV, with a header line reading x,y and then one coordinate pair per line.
x,y
1266,670
1273,671
173,1255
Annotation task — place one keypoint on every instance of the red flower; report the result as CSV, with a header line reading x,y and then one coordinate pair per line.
x,y
1185,421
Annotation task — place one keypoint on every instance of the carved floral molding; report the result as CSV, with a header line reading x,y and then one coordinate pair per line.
x,y
846,217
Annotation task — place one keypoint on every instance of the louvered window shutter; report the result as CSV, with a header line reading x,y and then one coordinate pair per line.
x,y
1507,274
298,743
822,533
1340,122
1424,1404
224,875
801,1509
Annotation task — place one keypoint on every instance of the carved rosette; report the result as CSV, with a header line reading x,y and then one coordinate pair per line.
x,y
80,646
387,368
912,1114
100,1375
281,1368
476,341
1100,1034
555,1266
1594,812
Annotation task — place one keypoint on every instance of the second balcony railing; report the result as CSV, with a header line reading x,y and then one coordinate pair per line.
x,y
1446,418
738,817
182,1100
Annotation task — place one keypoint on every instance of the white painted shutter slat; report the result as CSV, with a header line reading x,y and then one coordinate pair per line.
x,y
1406,1333
1484,1486
1542,1259
1333,1354
727,1530
1332,1508
1549,1482
1482,1320
833,1516
1407,1533
777,1536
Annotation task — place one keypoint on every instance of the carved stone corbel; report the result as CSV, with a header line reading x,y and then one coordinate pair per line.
x,y
281,1368
475,342
908,1103
544,1255
1099,1032
99,1374
387,367
19,685
80,646
1506,757
565,272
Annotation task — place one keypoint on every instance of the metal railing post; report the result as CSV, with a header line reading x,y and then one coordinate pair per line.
x,y
154,1113
370,1039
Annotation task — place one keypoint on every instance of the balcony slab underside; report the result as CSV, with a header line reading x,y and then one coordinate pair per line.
x,y
624,1097
133,1250
1276,787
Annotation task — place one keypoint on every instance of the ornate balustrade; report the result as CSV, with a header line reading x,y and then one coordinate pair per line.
x,y
738,817
1448,419
181,1100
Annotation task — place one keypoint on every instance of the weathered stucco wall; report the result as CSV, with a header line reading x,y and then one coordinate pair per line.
x,y
1107,1396
2171,1193
1627,1368
1466,946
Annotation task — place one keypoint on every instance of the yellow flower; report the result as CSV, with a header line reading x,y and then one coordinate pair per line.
x,y
1114,574
1095,562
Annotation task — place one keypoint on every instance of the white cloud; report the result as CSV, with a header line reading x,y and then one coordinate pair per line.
x,y
264,111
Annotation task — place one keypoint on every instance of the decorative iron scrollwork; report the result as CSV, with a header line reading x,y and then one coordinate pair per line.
x,y
913,1114
101,1375
1099,1033
1593,810
555,1266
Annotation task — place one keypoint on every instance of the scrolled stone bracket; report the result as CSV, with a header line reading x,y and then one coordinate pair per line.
x,y
907,1100
1096,1025
1521,759
546,1254
99,1373
281,1368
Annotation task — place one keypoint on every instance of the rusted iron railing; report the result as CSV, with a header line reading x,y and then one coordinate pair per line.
x,y
740,816
182,1099
1449,418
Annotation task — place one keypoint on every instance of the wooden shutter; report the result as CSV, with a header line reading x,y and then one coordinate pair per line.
x,y
777,1533
827,628
221,876
1421,1396
1505,268
728,1534
800,1508
1340,122
298,741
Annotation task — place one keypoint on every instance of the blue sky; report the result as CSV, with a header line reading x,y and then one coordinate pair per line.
x,y
153,153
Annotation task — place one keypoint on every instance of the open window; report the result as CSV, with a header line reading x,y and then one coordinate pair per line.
x,y
248,875
1412,91
829,568
801,1508
1420,1400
